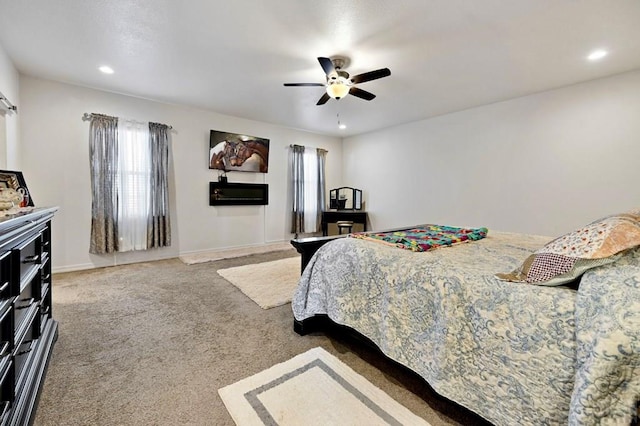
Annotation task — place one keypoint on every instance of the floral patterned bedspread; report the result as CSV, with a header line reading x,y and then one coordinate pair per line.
x,y
513,353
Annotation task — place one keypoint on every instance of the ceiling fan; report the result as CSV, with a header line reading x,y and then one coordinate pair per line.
x,y
339,84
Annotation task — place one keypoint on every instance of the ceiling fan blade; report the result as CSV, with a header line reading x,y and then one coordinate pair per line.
x,y
303,84
327,65
363,94
323,100
371,75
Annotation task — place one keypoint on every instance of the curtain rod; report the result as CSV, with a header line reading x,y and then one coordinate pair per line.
x,y
8,105
293,145
87,116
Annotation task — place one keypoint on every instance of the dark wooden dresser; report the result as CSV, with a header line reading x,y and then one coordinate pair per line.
x,y
27,328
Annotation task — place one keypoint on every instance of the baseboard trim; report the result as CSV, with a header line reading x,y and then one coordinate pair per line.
x,y
115,262
191,258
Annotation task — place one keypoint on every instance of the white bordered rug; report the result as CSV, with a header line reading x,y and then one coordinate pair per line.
x,y
269,284
313,388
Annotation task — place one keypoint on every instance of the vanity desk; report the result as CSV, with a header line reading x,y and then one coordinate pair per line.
x,y
345,204
333,216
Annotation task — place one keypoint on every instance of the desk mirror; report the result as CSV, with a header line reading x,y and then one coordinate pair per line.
x,y
345,198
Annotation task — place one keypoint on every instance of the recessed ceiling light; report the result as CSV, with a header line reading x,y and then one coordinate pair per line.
x,y
342,126
105,69
597,54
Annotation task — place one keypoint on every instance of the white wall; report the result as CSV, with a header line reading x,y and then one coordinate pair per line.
x,y
543,164
55,156
9,86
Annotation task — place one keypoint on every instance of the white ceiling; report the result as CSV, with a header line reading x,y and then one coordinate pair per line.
x,y
233,57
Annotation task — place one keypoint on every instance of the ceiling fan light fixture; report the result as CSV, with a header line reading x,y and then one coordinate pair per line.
x,y
337,89
339,84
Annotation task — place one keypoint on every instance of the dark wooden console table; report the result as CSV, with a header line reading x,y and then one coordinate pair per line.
x,y
333,216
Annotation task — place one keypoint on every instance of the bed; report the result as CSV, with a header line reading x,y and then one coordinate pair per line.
x,y
514,353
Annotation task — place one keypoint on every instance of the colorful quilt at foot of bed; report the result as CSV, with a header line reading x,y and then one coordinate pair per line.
x,y
425,237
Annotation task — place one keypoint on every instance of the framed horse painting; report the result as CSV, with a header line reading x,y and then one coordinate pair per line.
x,y
234,152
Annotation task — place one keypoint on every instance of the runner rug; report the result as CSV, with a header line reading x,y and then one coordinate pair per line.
x,y
313,388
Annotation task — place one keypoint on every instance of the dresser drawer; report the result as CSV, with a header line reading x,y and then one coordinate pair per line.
x,y
28,254
24,302
45,268
45,314
6,389
5,275
6,331
26,339
22,358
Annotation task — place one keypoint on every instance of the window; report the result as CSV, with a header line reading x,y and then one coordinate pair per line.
x,y
129,185
311,177
308,188
133,183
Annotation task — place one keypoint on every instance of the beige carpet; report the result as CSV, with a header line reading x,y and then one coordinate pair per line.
x,y
313,388
269,284
151,343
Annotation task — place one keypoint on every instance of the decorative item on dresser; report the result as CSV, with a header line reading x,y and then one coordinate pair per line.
x,y
11,180
27,328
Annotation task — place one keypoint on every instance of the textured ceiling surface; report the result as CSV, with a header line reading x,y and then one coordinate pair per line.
x,y
233,57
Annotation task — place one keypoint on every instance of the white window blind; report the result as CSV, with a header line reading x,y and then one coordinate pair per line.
x,y
310,191
133,180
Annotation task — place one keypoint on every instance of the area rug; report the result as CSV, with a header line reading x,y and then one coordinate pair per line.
x,y
269,284
313,388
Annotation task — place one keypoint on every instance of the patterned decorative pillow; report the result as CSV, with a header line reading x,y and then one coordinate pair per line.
x,y
569,256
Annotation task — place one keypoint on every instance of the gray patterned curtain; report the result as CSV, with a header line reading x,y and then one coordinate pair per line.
x,y
322,185
103,155
297,184
158,224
